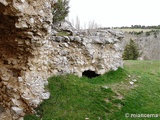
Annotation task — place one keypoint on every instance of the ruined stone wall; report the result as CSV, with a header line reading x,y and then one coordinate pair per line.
x,y
98,50
29,54
24,30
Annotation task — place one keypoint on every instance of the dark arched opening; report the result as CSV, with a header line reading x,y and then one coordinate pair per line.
x,y
90,74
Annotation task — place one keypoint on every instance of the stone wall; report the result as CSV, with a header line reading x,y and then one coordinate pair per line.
x,y
24,30
29,54
98,50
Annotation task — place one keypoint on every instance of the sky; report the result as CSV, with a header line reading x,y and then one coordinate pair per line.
x,y
115,13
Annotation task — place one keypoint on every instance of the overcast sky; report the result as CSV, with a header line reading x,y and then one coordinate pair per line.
x,y
109,13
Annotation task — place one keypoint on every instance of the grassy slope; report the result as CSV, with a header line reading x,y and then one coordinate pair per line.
x,y
146,96
74,98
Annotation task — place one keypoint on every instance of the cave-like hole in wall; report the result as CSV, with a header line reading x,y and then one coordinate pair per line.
x,y
90,74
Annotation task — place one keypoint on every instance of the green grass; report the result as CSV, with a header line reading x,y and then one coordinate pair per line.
x,y
63,33
107,97
144,98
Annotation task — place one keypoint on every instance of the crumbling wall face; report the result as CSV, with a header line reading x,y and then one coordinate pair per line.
x,y
24,30
29,55
98,51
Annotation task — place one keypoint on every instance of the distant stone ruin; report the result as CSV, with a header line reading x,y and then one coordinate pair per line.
x,y
30,52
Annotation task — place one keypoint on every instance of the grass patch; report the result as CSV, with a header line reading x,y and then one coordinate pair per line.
x,y
63,33
74,98
145,98
107,97
111,77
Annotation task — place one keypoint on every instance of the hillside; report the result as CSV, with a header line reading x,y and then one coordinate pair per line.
x,y
148,41
116,95
35,44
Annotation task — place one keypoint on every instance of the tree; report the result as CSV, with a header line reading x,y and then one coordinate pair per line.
x,y
60,10
93,25
131,51
77,24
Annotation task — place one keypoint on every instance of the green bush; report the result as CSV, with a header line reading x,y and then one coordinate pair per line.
x,y
60,10
131,51
148,33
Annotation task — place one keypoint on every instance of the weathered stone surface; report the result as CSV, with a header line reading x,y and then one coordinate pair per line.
x,y
17,110
24,31
99,51
63,26
45,95
30,53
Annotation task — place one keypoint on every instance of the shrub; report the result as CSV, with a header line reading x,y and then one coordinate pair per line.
x,y
148,33
131,51
60,10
